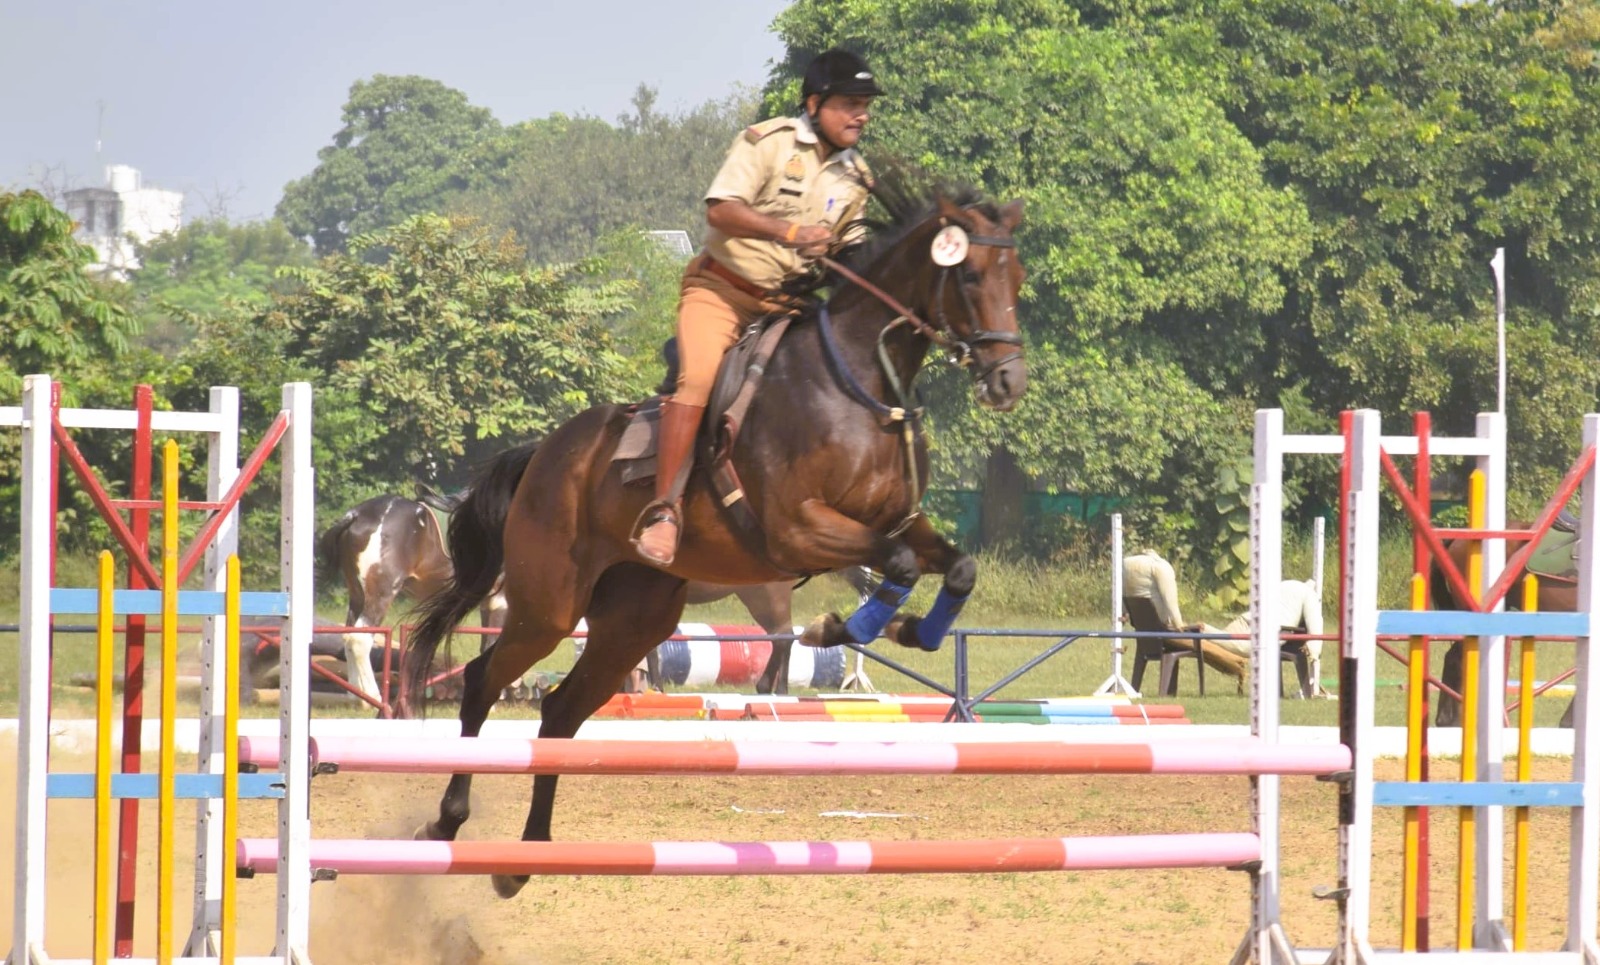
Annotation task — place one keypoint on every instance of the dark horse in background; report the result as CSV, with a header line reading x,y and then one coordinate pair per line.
x,y
832,477
1556,595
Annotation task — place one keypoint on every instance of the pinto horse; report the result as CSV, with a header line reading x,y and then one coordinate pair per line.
x,y
1555,595
386,547
831,472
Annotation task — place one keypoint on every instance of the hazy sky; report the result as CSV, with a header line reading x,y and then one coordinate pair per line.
x,y
218,97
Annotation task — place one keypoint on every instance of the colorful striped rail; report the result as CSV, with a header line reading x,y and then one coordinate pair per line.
x,y
883,708
484,755
1223,850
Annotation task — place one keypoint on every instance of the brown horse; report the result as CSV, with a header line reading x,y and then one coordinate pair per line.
x,y
1555,595
831,474
771,605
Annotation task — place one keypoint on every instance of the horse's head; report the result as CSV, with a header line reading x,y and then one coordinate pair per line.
x,y
976,278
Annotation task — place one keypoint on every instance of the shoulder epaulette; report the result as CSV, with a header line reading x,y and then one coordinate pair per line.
x,y
755,132
865,173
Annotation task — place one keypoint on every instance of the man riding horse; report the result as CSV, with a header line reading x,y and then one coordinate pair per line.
x,y
790,190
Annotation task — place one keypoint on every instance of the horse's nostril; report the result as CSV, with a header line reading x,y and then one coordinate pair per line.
x,y
1002,384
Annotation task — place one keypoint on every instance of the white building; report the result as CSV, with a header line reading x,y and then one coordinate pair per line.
x,y
111,218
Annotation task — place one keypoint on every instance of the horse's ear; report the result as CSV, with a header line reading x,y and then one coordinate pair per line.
x,y
1011,215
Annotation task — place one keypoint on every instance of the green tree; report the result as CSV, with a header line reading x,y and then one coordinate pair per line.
x,y
449,343
55,320
569,181
653,275
407,145
1423,136
205,267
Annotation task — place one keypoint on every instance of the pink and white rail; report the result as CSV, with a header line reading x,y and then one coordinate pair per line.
x,y
554,756
762,857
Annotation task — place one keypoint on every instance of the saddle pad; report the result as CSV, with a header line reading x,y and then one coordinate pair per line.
x,y
639,438
1556,556
636,450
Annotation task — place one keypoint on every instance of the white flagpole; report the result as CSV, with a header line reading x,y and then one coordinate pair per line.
x,y
1498,263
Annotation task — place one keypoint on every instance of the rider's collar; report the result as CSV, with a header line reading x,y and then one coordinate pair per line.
x,y
804,133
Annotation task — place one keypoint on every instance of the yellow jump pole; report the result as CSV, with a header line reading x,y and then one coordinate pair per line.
x,y
1467,871
167,834
1519,865
105,618
1416,680
230,760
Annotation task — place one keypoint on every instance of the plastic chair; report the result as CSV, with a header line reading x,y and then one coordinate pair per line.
x,y
1142,616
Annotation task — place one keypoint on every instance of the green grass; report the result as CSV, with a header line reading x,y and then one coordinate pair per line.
x,y
1010,595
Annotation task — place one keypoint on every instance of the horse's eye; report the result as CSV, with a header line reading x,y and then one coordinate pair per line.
x,y
969,275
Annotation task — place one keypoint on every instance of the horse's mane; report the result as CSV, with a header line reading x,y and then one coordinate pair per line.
x,y
902,199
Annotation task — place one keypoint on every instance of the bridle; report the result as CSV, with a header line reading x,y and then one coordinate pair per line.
x,y
960,349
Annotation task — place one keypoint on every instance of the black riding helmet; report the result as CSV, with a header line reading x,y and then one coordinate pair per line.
x,y
839,72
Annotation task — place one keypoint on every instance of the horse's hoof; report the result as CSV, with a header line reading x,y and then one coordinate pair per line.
x,y
507,886
428,832
902,629
824,631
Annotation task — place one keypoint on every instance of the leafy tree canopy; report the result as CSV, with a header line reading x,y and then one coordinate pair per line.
x,y
407,144
569,181
54,317
203,268
451,344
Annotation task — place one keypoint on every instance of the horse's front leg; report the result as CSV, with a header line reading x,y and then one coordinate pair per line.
x,y
935,554
825,539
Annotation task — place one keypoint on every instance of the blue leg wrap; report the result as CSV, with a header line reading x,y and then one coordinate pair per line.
x,y
946,607
872,616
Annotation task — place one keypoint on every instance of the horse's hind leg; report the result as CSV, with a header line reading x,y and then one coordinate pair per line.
x,y
523,643
634,608
771,605
1448,713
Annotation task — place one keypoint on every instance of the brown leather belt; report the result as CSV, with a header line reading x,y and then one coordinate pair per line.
x,y
736,280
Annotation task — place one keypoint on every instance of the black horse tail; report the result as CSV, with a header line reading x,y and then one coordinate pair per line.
x,y
477,554
327,563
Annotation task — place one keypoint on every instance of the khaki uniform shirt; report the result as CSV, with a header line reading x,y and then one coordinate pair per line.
x,y
775,167
1148,576
1298,603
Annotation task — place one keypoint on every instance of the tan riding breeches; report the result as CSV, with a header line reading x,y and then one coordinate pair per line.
x,y
711,314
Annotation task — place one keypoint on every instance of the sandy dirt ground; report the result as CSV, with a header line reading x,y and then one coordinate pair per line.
x,y
1074,917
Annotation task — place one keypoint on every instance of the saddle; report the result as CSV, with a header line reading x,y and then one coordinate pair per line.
x,y
739,376
1556,556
